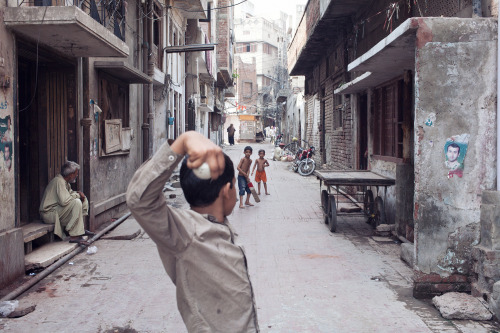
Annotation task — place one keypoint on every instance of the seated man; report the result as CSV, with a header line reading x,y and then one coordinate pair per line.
x,y
64,207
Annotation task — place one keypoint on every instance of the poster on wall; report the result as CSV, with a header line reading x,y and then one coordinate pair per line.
x,y
6,143
455,149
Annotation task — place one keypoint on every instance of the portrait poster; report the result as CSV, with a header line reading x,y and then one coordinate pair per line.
x,y
6,143
455,150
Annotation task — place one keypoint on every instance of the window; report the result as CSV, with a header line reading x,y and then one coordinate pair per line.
x,y
246,47
388,120
157,35
114,127
247,89
338,112
269,49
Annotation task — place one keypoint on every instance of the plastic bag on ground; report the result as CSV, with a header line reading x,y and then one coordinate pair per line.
x,y
6,307
91,249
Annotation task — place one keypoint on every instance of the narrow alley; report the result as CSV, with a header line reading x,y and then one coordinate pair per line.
x,y
305,278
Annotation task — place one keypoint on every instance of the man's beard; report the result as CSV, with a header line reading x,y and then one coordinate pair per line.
x,y
73,181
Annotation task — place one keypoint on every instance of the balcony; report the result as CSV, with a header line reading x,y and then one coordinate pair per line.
x,y
76,28
321,25
192,9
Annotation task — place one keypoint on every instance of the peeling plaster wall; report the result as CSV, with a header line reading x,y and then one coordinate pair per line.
x,y
7,103
455,80
11,242
110,175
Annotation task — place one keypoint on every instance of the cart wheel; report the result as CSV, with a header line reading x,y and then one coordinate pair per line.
x,y
324,204
332,213
369,206
379,212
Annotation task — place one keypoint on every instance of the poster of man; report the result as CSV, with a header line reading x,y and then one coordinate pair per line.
x,y
5,143
455,149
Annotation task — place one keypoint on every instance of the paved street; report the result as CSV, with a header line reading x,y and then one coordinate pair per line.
x,y
305,278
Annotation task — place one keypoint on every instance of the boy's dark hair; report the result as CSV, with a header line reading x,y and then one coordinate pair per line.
x,y
202,192
248,148
262,151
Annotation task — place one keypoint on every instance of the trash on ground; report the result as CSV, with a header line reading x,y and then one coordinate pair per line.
x,y
6,307
92,250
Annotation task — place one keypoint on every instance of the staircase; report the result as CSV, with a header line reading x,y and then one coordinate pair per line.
x,y
40,249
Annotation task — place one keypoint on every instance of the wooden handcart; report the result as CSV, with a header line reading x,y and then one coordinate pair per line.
x,y
330,182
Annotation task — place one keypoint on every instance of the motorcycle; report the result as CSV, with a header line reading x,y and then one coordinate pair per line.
x,y
303,162
279,138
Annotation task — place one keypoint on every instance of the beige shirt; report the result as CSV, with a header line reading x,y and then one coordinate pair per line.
x,y
57,193
209,269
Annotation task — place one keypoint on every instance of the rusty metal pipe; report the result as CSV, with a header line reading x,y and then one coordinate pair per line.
x,y
31,282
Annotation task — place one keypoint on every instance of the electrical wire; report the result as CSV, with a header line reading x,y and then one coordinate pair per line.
x,y
202,11
36,68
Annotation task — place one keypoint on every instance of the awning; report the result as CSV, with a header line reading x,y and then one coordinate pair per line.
x,y
123,71
189,48
389,58
66,29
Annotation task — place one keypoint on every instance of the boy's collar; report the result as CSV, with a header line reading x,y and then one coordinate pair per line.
x,y
212,218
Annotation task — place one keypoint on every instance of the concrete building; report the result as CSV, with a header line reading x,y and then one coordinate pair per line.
x,y
260,39
207,91
102,86
396,88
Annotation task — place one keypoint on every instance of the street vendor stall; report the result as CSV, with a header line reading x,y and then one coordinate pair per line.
x,y
330,182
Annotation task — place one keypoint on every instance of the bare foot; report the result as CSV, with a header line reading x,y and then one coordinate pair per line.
x,y
268,193
243,207
258,193
248,204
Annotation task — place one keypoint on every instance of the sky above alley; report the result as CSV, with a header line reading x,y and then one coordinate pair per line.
x,y
270,9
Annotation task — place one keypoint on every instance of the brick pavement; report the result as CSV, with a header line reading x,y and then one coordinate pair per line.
x,y
305,278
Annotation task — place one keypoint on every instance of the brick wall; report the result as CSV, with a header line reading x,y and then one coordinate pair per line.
x,y
223,33
334,143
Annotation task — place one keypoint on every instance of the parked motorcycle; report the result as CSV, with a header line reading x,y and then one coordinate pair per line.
x,y
279,138
303,162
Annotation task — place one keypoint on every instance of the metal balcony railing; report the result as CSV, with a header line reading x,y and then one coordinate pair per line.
x,y
110,13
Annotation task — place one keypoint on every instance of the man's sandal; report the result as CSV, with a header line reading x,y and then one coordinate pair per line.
x,y
89,233
80,241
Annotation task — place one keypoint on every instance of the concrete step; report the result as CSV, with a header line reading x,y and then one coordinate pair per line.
x,y
47,254
35,230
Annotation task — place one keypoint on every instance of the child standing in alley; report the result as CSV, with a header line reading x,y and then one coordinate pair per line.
x,y
260,175
243,176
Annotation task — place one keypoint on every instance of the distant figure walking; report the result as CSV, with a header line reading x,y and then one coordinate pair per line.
x,y
230,134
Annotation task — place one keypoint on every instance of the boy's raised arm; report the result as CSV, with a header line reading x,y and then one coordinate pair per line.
x,y
200,149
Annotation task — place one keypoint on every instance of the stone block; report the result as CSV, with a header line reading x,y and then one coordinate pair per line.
x,y
408,253
12,258
455,305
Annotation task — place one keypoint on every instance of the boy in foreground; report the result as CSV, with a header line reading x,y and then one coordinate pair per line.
x,y
197,246
261,163
244,176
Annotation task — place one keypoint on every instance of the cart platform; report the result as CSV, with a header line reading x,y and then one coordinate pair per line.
x,y
373,208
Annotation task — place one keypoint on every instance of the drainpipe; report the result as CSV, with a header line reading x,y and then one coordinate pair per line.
x,y
498,94
31,282
145,87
